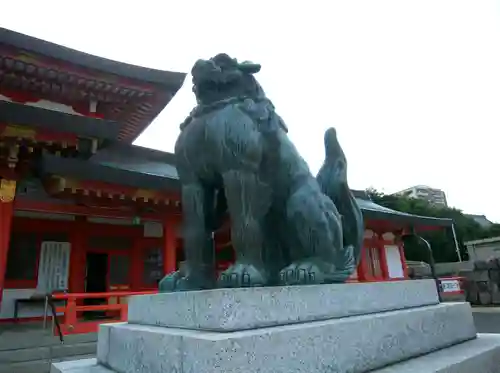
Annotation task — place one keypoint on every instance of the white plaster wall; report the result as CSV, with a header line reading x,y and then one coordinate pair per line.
x,y
368,233
394,264
388,236
49,105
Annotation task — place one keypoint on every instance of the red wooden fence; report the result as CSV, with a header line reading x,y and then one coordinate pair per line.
x,y
72,321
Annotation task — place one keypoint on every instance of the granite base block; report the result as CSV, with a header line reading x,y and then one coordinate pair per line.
x,y
478,355
251,308
351,344
481,355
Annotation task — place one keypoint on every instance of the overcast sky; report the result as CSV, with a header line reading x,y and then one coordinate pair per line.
x,y
412,86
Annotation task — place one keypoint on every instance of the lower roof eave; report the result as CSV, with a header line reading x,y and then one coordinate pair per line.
x,y
399,221
93,171
90,171
57,122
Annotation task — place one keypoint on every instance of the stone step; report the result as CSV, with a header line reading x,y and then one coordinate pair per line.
x,y
15,340
349,344
77,349
47,353
80,366
480,355
250,308
38,366
35,366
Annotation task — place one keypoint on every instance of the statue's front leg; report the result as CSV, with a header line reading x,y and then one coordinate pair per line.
x,y
198,271
315,223
248,201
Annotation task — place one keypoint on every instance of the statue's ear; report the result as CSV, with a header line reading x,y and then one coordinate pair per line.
x,y
249,67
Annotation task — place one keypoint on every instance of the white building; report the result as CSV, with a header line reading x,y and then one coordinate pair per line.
x,y
432,195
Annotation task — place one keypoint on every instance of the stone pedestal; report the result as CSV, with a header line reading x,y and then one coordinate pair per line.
x,y
310,329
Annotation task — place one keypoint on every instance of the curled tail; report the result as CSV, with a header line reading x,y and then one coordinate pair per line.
x,y
332,179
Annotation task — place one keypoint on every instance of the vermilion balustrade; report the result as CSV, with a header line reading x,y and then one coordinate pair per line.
x,y
72,324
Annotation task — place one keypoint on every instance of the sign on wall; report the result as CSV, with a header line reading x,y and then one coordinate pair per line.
x,y
53,269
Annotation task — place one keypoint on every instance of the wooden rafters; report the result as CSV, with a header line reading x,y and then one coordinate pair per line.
x,y
30,72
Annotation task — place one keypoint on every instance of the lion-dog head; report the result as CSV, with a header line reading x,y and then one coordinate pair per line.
x,y
222,77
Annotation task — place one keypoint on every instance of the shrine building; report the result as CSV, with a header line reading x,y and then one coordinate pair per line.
x,y
82,210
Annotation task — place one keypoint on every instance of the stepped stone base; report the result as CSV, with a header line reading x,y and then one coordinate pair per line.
x,y
309,329
251,308
478,355
360,343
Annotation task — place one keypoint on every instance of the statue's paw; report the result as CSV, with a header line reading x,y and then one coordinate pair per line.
x,y
243,275
306,272
179,281
170,282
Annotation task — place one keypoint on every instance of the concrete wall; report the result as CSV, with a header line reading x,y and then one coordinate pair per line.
x,y
26,310
8,302
484,251
453,268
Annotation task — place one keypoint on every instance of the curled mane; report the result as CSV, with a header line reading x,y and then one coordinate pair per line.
x,y
222,81
222,77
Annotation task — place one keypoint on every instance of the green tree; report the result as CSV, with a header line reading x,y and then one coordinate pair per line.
x,y
442,241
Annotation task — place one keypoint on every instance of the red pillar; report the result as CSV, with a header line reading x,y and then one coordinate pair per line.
x,y
169,245
7,194
136,265
78,258
362,266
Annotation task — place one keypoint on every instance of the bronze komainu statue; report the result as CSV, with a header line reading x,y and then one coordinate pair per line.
x,y
233,153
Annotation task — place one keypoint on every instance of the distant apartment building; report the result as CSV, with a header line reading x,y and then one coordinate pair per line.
x,y
434,196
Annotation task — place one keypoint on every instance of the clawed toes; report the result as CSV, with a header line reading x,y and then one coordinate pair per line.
x,y
301,274
240,275
179,281
296,276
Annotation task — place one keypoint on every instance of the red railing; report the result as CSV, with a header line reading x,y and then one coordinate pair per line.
x,y
72,322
